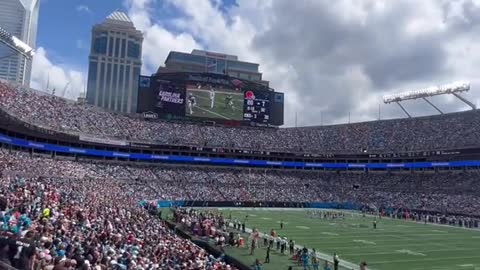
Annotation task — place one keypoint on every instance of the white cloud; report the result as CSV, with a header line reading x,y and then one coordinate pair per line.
x,y
83,8
158,41
427,18
57,76
204,20
328,57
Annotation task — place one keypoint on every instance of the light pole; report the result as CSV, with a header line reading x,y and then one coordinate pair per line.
x,y
16,44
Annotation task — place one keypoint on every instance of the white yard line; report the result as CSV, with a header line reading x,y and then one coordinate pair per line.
x,y
427,259
235,108
379,246
323,256
196,107
394,252
350,265
411,221
208,91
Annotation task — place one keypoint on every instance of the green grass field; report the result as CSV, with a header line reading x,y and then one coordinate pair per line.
x,y
394,245
219,110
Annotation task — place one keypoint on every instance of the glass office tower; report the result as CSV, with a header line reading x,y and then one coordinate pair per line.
x,y
114,64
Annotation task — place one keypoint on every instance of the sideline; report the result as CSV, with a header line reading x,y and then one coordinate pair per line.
x,y
321,255
353,212
406,220
325,256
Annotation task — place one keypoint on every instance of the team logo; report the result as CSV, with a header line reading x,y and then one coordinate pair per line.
x,y
249,95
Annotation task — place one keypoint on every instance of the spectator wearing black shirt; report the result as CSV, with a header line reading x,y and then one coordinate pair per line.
x,y
25,252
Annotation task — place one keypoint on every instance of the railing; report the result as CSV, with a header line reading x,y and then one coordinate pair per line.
x,y
232,161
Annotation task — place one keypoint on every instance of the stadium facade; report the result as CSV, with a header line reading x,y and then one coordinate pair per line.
x,y
115,62
212,62
20,18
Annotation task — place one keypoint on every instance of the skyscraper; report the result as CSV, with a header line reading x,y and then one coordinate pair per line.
x,y
114,64
19,18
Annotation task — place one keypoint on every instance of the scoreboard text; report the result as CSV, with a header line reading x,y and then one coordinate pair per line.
x,y
256,106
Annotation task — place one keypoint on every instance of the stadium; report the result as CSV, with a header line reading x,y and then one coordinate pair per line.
x,y
190,168
417,181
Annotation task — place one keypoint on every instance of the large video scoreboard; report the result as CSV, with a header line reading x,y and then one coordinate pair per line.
x,y
209,96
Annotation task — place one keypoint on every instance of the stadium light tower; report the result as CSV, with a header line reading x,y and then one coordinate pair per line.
x,y
16,44
451,88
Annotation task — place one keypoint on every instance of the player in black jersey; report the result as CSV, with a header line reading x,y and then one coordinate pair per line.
x,y
229,102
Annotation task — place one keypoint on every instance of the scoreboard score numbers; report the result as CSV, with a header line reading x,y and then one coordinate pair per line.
x,y
256,106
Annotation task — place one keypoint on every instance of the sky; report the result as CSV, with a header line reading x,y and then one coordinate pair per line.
x,y
334,60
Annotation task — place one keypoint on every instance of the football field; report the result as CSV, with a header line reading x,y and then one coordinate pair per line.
x,y
220,109
394,245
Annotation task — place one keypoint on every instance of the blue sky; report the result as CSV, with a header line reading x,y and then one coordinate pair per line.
x,y
65,25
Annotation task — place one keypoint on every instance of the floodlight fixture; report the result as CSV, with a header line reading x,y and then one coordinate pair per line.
x,y
451,88
16,44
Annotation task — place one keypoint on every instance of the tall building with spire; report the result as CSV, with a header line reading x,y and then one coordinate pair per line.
x,y
19,18
115,62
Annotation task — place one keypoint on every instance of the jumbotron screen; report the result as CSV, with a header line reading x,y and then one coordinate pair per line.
x,y
207,96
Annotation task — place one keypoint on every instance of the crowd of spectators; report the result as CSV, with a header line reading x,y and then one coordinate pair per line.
x,y
64,215
425,133
60,213
452,192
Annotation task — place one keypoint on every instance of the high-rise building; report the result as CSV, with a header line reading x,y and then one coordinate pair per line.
x,y
114,64
210,62
19,18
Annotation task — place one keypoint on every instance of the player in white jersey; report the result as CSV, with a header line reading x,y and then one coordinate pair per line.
x,y
191,103
212,97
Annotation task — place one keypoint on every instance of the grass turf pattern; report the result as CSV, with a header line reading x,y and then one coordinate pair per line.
x,y
220,109
394,245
